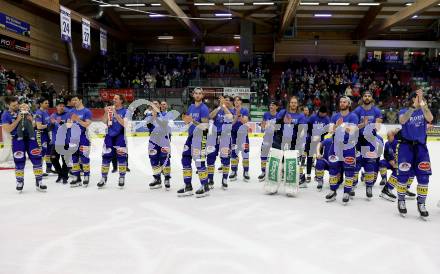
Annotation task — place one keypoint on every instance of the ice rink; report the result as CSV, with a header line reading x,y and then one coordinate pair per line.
x,y
241,230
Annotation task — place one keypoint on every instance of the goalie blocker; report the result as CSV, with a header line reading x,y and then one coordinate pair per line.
x,y
283,166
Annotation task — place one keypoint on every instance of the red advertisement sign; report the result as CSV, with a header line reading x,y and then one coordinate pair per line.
x,y
107,94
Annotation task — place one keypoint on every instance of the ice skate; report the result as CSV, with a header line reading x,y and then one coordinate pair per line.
x,y
86,181
224,184
156,184
369,192
302,182
246,176
76,182
410,195
352,194
387,194
320,184
262,177
41,186
308,178
121,182
233,176
331,196
422,210
167,184
211,183
59,179
203,191
186,191
383,181
346,198
401,206
19,186
102,183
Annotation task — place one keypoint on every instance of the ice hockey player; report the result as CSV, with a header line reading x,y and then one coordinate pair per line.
x,y
369,116
42,122
23,142
114,141
268,127
222,121
196,116
343,153
239,128
322,161
80,116
412,151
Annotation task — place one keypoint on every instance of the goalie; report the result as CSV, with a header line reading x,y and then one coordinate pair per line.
x,y
288,143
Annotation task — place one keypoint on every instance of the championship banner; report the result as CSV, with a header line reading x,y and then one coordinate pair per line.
x,y
103,41
86,43
13,44
66,26
108,94
15,25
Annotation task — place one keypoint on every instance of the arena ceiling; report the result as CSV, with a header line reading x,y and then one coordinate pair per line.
x,y
353,19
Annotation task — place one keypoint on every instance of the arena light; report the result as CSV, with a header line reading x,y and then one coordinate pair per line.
x,y
309,3
156,15
204,4
415,16
223,14
408,4
323,15
237,37
134,5
156,4
234,4
109,5
263,3
369,4
165,37
338,4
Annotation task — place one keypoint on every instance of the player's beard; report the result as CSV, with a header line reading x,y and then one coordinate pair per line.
x,y
367,104
344,108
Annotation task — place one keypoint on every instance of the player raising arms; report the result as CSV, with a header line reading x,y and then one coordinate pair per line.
x,y
114,141
343,153
80,116
197,113
241,117
267,126
412,151
14,121
222,117
367,114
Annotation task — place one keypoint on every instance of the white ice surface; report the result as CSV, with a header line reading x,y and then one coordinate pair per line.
x,y
241,230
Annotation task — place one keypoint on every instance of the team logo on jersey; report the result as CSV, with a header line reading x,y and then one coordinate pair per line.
x,y
405,166
152,152
36,152
84,149
196,151
225,151
350,160
44,145
18,154
333,158
245,146
210,149
165,150
425,166
185,148
121,151
371,154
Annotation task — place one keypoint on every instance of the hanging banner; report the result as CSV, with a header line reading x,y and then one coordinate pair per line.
x,y
66,27
103,41
15,25
86,34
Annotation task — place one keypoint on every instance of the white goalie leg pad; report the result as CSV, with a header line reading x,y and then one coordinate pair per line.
x,y
273,171
291,172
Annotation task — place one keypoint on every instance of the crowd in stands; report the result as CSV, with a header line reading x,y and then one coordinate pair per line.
x,y
150,71
322,83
